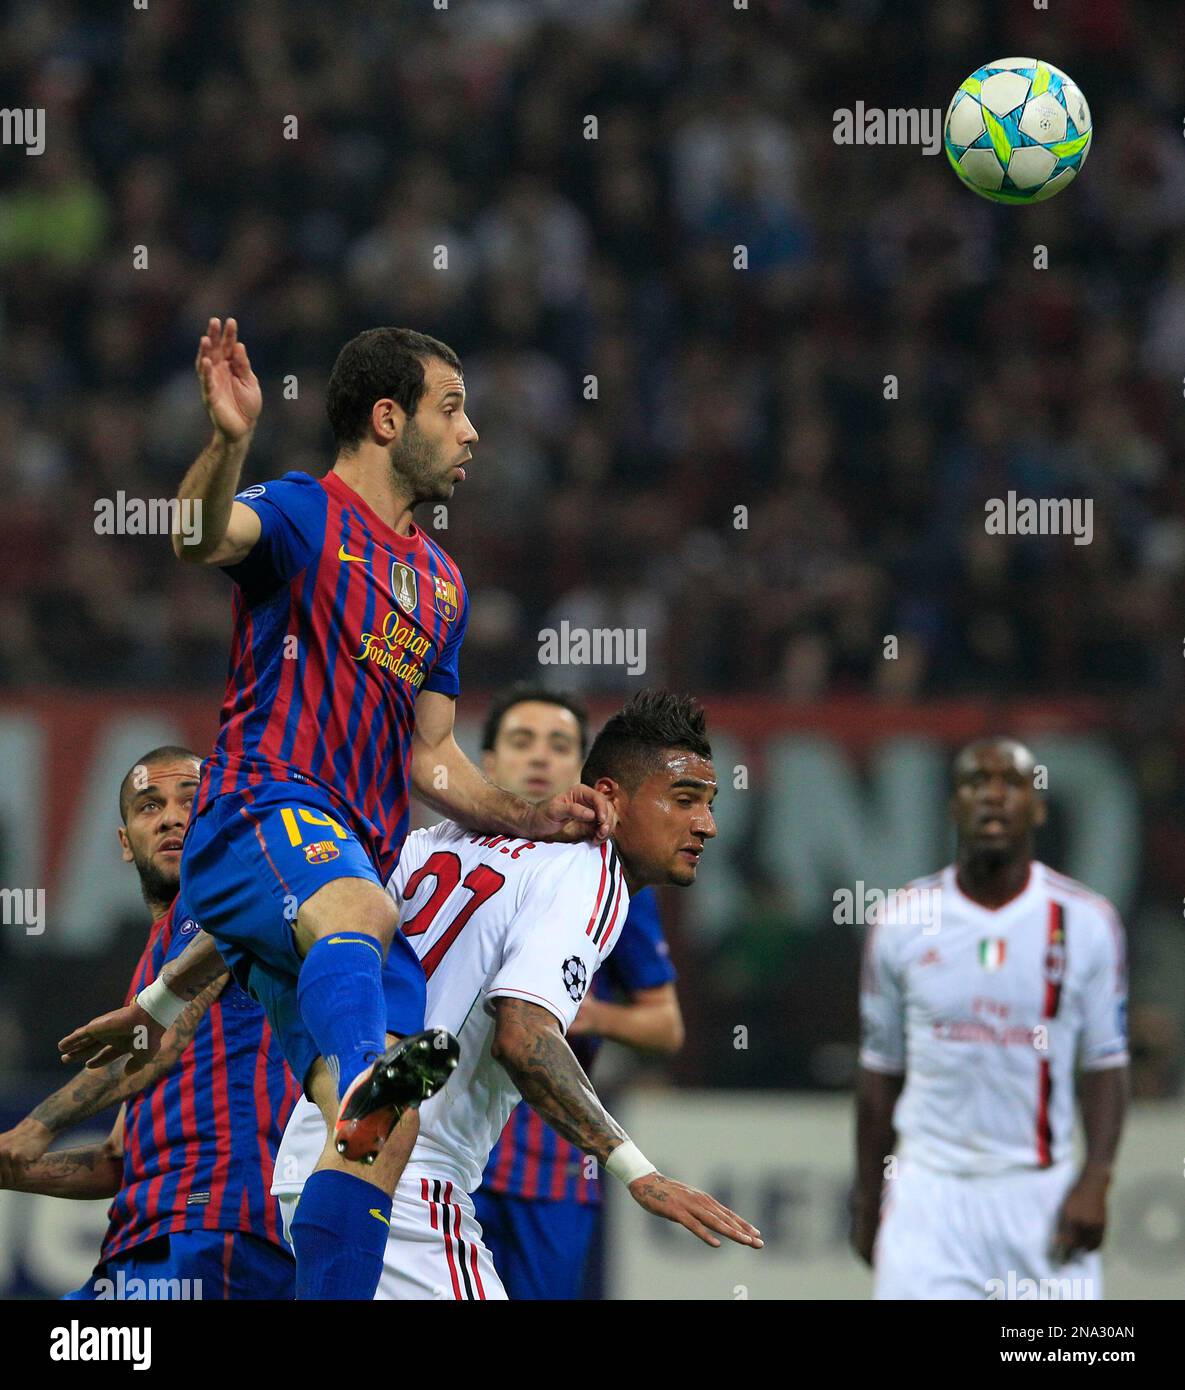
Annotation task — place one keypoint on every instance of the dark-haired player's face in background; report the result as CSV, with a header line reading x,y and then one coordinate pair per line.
x,y
665,823
156,819
537,751
995,807
428,458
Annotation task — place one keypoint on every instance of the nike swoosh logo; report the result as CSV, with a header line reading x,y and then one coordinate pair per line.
x,y
341,555
354,941
374,1211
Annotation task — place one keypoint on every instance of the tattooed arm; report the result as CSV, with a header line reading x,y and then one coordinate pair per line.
x,y
87,1094
95,1171
130,1030
528,1043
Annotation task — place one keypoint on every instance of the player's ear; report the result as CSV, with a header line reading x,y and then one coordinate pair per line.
x,y
613,790
487,763
387,420
125,846
1040,812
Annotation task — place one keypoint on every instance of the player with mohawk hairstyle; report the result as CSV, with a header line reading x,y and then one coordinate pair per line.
x,y
511,933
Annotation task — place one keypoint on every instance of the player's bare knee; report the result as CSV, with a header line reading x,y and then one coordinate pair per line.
x,y
352,905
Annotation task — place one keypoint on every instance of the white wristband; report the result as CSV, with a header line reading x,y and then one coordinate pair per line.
x,y
160,1003
628,1162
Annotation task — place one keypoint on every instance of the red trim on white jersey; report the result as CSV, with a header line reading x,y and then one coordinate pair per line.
x,y
606,936
588,931
1055,941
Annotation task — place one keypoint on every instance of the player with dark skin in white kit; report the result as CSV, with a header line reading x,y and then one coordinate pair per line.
x,y
973,1028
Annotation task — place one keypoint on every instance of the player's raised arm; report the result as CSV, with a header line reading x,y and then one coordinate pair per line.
x,y
446,779
528,1043
230,392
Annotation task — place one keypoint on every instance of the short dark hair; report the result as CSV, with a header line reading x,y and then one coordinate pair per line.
x,y
519,694
382,362
165,753
631,745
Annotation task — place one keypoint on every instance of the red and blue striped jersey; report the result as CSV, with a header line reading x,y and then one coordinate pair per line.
x,y
339,623
200,1144
531,1159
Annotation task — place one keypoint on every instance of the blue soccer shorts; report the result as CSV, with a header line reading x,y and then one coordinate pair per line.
x,y
540,1248
194,1265
250,859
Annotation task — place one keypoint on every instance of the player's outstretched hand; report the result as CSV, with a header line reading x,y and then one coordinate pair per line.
x,y
1082,1220
580,813
127,1032
21,1145
699,1212
230,390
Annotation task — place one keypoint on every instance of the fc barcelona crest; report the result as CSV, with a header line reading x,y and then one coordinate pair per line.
x,y
446,598
403,586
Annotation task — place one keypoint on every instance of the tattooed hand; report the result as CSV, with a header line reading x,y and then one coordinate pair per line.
x,y
687,1206
21,1145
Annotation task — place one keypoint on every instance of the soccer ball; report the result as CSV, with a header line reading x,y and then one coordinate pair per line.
x,y
1017,131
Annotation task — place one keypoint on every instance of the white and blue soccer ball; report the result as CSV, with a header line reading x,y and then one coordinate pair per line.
x,y
1017,131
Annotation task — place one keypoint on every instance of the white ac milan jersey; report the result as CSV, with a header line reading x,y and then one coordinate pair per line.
x,y
988,1013
489,917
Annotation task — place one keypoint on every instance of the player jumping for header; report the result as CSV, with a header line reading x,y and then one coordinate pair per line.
x,y
348,621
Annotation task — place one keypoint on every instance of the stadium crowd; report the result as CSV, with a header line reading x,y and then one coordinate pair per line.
x,y
769,459
309,168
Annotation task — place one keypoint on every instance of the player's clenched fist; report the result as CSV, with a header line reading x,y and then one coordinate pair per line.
x,y
129,1031
230,390
699,1212
23,1144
